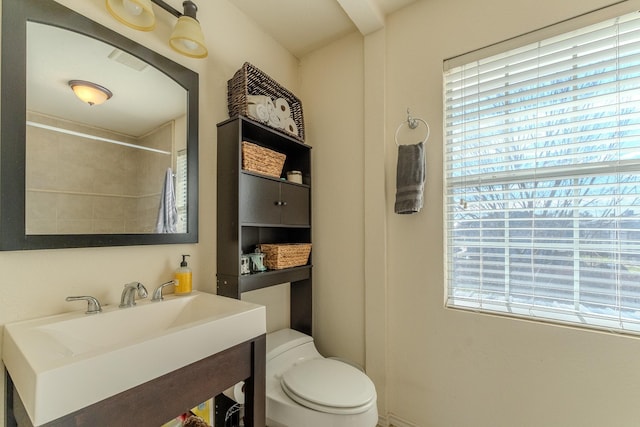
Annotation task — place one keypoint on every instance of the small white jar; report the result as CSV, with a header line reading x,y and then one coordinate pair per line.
x,y
294,176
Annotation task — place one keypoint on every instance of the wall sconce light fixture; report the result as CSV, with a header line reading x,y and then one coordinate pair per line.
x,y
187,37
91,93
136,14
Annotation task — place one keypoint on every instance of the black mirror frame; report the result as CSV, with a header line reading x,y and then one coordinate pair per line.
x,y
15,15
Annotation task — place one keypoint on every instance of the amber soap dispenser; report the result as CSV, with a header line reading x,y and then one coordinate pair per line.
x,y
183,278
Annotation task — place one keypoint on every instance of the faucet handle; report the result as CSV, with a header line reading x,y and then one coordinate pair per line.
x,y
142,291
157,294
93,305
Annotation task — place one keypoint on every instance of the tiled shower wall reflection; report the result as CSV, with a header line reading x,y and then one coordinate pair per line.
x,y
77,185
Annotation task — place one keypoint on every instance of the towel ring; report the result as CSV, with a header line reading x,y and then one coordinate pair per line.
x,y
412,123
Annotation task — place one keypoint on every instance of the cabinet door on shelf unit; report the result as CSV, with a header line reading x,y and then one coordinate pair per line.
x,y
265,201
259,200
295,209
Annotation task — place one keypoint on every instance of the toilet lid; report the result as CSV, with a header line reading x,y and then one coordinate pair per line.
x,y
329,385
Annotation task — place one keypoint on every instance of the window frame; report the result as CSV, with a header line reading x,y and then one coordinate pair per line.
x,y
506,308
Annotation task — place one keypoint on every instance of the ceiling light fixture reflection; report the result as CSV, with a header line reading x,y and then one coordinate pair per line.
x,y
91,93
187,37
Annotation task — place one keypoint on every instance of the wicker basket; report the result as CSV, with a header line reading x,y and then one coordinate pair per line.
x,y
250,80
285,255
262,160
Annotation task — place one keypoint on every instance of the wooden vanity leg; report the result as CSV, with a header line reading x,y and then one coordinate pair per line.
x,y
255,399
10,419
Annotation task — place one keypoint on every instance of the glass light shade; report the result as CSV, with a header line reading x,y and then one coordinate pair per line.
x,y
90,93
187,38
137,14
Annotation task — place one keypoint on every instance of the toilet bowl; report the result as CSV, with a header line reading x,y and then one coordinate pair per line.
x,y
304,389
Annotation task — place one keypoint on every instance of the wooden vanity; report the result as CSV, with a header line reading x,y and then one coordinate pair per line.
x,y
162,399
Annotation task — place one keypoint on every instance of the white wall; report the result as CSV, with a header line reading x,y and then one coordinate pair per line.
x,y
333,123
35,283
442,368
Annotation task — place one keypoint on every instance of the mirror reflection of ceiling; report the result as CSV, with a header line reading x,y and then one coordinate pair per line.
x,y
143,97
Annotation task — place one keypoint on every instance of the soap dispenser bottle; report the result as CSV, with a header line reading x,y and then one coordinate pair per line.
x,y
183,278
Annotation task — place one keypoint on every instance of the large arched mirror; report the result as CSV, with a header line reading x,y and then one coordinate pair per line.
x,y
77,173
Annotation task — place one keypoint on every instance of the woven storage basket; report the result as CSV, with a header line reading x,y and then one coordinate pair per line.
x,y
285,255
250,80
262,160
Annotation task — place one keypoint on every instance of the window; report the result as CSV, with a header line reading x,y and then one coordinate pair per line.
x,y
543,178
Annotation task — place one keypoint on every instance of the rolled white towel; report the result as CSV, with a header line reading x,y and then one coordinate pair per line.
x,y
271,107
282,108
289,125
259,107
274,120
258,112
259,99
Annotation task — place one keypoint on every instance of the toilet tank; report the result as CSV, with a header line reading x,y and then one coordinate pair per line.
x,y
284,340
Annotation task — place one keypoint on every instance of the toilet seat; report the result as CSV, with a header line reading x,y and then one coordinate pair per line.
x,y
330,386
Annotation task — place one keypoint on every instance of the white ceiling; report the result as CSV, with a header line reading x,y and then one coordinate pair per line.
x,y
299,25
304,25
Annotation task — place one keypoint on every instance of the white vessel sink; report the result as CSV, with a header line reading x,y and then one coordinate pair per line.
x,y
62,363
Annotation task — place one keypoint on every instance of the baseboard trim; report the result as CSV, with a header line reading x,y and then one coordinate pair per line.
x,y
394,421
382,421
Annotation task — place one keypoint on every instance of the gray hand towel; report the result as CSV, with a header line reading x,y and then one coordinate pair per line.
x,y
410,177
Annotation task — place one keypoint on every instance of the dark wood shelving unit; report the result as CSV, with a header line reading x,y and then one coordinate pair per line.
x,y
250,212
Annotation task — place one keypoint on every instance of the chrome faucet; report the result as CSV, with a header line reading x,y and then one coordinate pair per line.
x,y
93,305
157,294
128,298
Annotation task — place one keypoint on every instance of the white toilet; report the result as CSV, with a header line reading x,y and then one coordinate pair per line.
x,y
304,389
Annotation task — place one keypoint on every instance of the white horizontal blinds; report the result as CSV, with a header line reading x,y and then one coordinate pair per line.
x,y
181,190
542,178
